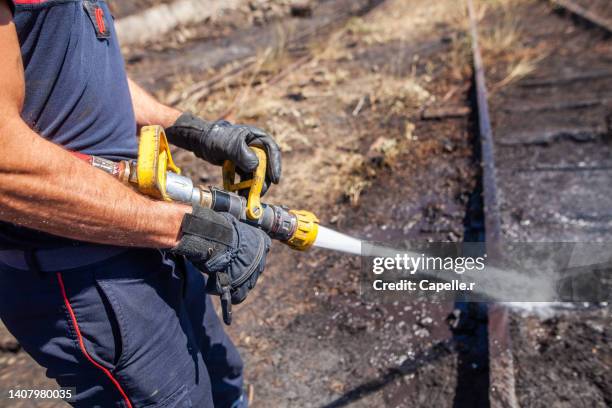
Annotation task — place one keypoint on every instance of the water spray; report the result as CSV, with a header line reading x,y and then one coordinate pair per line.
x,y
329,239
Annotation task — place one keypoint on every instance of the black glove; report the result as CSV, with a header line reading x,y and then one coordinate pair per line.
x,y
218,141
231,252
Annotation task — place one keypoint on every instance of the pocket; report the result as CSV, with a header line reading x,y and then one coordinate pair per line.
x,y
140,305
92,319
145,296
113,313
98,17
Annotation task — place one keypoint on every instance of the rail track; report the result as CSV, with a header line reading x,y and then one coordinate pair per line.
x,y
501,384
545,154
585,14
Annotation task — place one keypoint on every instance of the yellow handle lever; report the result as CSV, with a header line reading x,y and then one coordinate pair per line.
x,y
154,161
254,210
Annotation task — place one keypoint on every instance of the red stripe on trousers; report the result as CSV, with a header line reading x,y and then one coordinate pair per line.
x,y
82,344
29,1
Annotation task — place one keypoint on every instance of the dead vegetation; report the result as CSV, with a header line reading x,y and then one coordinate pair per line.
x,y
292,98
503,43
293,95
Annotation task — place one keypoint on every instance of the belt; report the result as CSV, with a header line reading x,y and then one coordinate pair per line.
x,y
52,260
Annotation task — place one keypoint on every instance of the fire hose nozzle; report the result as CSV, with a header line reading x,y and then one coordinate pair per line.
x,y
155,174
305,232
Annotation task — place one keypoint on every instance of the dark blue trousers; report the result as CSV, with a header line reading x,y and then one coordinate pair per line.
x,y
135,330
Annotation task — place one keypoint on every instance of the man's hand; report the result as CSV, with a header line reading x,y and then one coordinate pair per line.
x,y
218,141
214,142
232,253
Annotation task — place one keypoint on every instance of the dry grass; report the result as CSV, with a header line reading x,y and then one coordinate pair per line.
x,y
349,178
324,82
502,42
322,134
506,33
519,70
460,56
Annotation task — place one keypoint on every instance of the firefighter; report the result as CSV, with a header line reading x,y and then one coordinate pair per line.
x,y
104,287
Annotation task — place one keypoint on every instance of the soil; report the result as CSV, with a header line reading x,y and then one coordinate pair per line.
x,y
553,147
363,76
18,370
552,132
564,359
126,8
309,338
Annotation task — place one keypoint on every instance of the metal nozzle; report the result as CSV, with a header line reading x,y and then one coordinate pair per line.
x,y
296,228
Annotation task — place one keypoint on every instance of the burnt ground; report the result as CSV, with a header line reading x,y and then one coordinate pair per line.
x,y
551,91
345,92
564,359
258,11
18,370
127,8
358,154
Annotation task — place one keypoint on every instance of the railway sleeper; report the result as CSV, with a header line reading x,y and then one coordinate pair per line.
x,y
580,134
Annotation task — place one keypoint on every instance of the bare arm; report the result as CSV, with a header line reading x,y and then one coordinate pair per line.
x,y
148,110
44,187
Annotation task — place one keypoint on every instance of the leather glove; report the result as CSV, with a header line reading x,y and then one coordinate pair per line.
x,y
218,141
230,252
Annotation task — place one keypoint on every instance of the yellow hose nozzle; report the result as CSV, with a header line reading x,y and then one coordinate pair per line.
x,y
157,176
306,230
